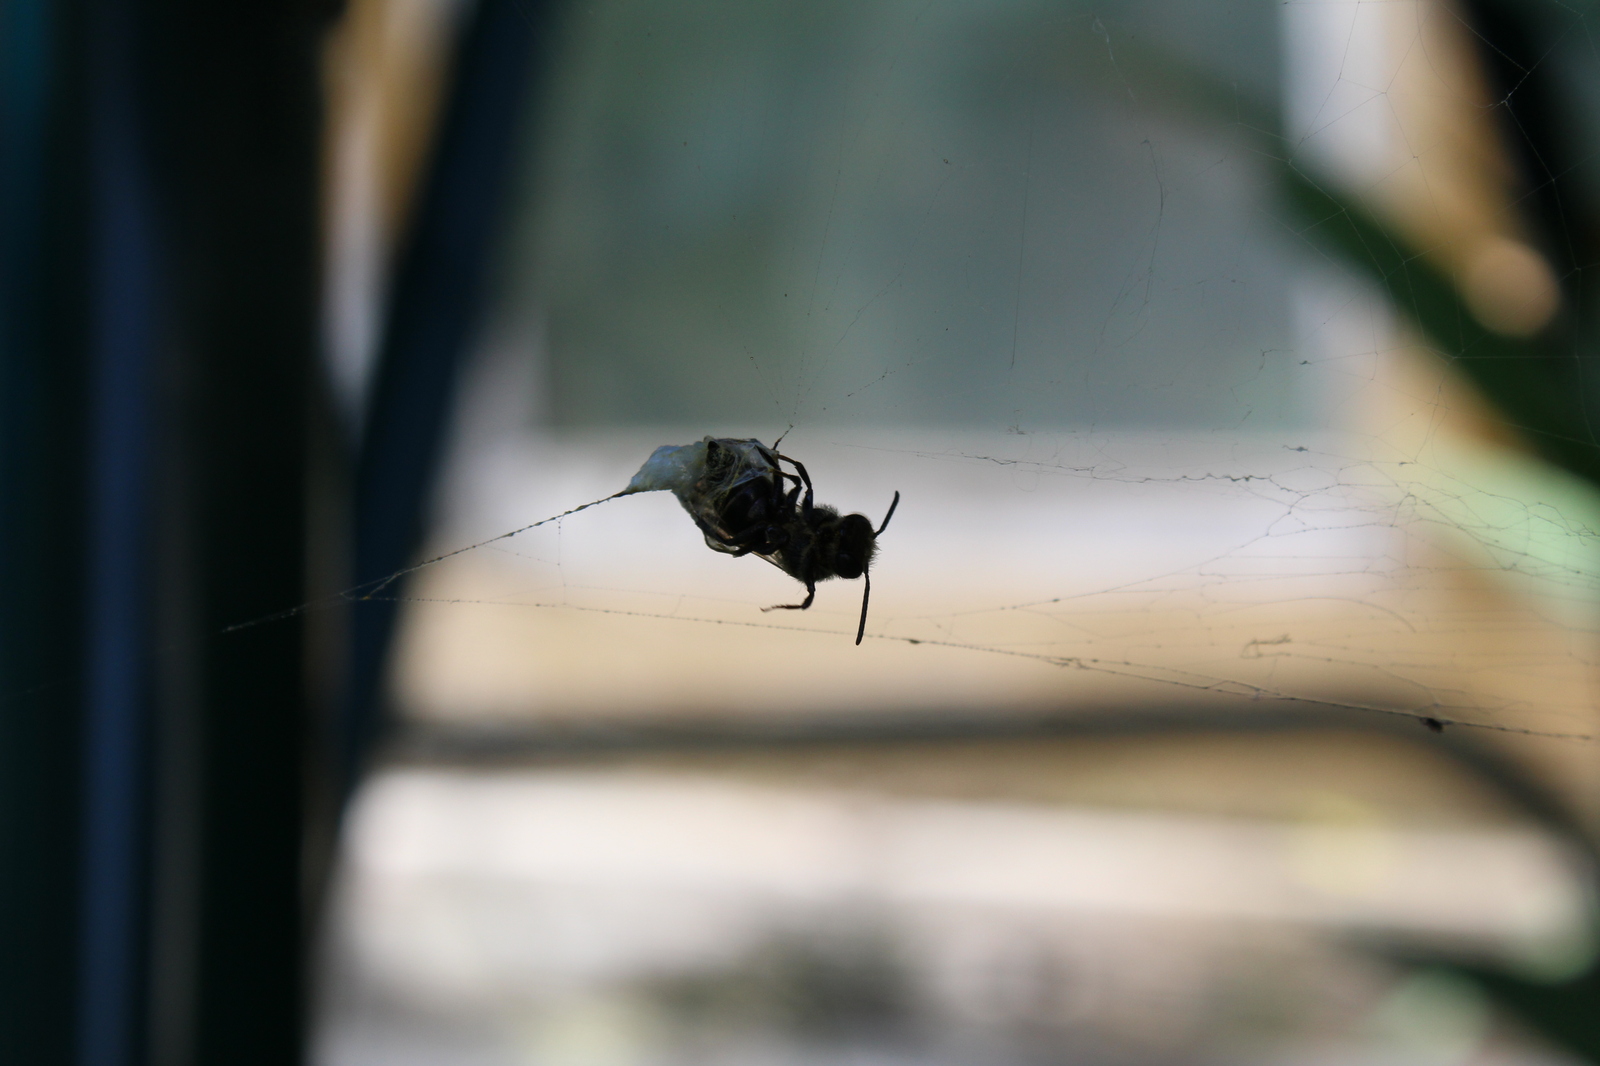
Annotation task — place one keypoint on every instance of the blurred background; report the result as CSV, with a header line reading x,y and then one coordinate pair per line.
x,y
1229,687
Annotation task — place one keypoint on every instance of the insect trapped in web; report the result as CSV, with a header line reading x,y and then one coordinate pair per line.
x,y
745,503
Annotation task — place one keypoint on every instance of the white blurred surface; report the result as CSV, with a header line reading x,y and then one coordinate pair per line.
x,y
532,902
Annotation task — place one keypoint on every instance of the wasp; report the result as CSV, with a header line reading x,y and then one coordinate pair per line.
x,y
746,503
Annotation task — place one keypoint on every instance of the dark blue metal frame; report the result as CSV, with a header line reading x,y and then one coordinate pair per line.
x,y
158,290
435,310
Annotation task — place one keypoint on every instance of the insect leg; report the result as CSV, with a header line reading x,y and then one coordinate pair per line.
x,y
714,538
760,537
811,594
789,500
772,459
806,507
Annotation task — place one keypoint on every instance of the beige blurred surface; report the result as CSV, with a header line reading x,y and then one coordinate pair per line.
x,y
1078,571
385,68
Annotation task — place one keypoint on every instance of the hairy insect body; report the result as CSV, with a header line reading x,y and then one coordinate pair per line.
x,y
827,546
745,503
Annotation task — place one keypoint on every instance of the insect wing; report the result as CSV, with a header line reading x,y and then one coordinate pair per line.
x,y
729,514
740,489
774,558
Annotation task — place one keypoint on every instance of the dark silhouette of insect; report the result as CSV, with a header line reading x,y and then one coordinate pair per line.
x,y
1434,725
747,504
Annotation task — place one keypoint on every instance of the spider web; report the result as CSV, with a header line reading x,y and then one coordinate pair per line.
x,y
1159,453
1155,448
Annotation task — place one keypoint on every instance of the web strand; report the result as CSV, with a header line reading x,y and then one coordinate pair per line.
x,y
1182,679
369,590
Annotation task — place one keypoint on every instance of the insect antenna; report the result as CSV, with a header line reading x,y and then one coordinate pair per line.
x,y
892,506
862,628
866,577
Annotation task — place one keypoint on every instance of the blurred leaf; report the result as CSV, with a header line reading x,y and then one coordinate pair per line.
x,y
1522,377
1568,1014
1537,383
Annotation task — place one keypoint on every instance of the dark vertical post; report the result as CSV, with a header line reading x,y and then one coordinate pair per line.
x,y
158,250
434,313
42,393
234,124
121,286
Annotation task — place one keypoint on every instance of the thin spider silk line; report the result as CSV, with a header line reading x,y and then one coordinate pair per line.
x,y
1193,681
368,590
1148,672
